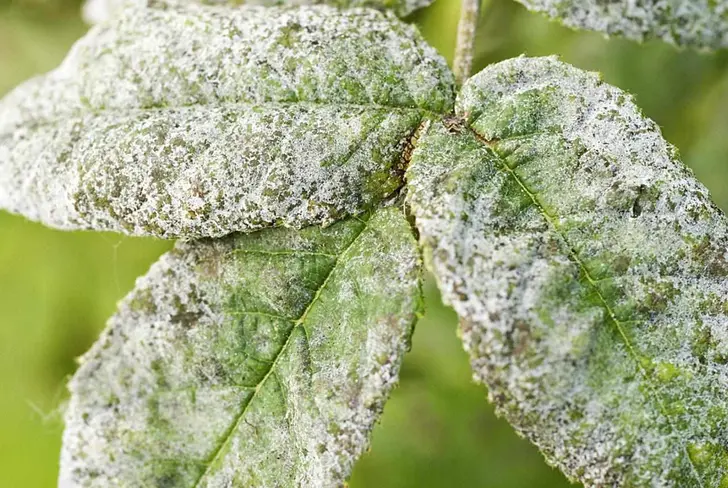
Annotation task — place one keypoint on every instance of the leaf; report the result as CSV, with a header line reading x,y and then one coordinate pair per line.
x,y
694,23
590,272
95,11
199,121
254,360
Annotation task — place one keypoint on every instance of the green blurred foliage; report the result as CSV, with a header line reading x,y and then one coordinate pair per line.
x,y
57,289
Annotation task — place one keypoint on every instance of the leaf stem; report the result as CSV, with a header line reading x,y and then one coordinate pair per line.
x,y
463,63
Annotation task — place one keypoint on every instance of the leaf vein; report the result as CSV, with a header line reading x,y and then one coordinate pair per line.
x,y
120,112
291,252
228,435
574,257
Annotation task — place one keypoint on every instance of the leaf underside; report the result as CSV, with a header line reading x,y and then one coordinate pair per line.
x,y
196,121
254,360
589,269
695,23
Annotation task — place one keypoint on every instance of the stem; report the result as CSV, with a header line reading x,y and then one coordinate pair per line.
x,y
463,63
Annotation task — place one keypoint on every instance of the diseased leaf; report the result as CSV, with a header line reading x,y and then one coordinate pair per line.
x,y
590,272
95,11
695,23
254,360
197,121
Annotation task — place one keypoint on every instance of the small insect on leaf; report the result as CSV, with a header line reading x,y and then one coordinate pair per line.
x,y
197,121
590,272
700,24
255,360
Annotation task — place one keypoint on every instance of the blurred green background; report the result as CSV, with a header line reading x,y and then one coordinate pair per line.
x,y
57,289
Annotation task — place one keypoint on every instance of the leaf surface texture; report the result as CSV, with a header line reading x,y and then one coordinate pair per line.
x,y
589,269
197,121
95,11
700,24
253,360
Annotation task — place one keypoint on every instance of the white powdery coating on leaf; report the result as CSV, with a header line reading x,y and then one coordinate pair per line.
x,y
197,121
246,361
202,172
95,11
695,23
590,272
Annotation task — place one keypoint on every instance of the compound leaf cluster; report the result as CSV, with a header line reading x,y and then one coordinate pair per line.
x,y
298,150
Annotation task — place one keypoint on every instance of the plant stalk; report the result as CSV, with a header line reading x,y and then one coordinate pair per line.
x,y
463,63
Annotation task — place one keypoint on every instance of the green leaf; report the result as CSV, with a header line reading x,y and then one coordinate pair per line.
x,y
590,272
95,11
254,360
695,23
197,121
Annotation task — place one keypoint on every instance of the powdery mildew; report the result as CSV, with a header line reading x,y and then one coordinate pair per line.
x,y
253,360
196,121
95,11
695,23
590,272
